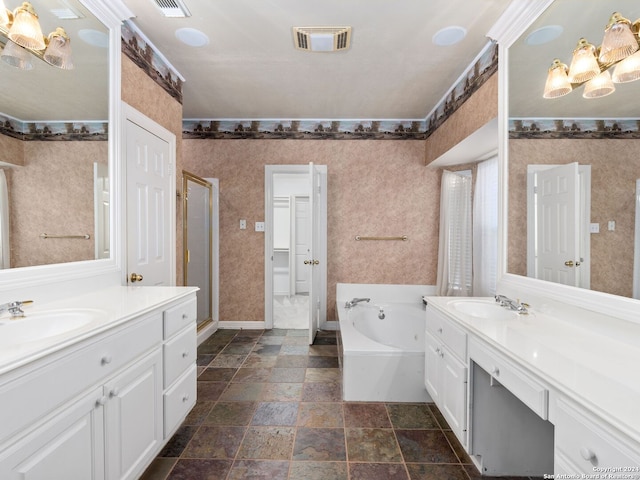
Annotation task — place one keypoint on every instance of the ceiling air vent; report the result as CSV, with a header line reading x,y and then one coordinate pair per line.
x,y
322,39
173,8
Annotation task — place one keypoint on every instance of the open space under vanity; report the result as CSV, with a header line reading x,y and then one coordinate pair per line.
x,y
542,392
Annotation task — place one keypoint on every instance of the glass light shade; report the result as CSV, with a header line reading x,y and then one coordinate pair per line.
x,y
26,30
58,52
600,86
557,84
17,56
4,14
628,69
619,41
584,65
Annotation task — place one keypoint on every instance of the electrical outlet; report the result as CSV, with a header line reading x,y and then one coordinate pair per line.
x,y
243,224
259,226
594,228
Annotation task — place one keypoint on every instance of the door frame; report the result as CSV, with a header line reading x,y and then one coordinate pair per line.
x,y
130,114
270,171
584,181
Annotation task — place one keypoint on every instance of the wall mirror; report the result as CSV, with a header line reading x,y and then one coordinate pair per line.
x,y
597,135
55,142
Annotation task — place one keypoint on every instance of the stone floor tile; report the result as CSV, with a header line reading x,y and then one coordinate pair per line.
x,y
376,445
378,471
281,392
432,471
366,415
319,444
231,413
276,413
259,470
267,443
215,442
425,446
412,415
197,469
318,470
242,392
320,415
287,375
321,392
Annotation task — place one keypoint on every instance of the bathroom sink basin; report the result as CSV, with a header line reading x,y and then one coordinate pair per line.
x,y
482,309
43,325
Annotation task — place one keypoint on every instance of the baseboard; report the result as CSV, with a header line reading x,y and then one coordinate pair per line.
x,y
251,325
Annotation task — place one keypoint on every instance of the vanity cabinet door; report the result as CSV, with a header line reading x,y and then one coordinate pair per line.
x,y
68,445
453,394
133,417
432,367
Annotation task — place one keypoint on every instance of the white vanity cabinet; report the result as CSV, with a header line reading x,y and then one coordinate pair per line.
x,y
446,370
94,410
180,371
585,444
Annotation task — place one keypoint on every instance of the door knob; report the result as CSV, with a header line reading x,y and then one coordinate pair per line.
x,y
135,277
307,262
571,263
315,262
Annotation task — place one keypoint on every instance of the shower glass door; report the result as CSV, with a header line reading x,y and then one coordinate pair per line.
x,y
198,235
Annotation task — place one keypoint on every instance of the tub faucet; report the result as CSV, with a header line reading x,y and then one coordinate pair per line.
x,y
355,301
14,308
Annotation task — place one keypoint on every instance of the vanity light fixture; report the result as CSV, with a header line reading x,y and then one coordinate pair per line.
x,y
590,65
22,31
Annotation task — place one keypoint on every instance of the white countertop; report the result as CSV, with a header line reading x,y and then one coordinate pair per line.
x,y
600,371
113,306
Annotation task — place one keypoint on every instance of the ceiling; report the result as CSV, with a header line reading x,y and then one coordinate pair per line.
x,y
251,70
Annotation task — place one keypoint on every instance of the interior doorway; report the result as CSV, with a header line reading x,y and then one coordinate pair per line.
x,y
295,247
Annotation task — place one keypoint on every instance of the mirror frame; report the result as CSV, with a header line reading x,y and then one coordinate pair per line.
x,y
103,271
516,19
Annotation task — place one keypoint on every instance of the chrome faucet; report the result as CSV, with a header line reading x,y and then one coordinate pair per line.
x,y
355,301
514,305
15,308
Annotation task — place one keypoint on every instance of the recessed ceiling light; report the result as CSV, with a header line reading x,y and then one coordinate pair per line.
x,y
95,38
449,36
192,37
544,35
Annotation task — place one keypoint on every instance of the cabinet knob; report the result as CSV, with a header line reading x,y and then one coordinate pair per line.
x,y
588,454
106,360
185,397
495,372
185,354
185,316
114,393
438,350
440,330
101,401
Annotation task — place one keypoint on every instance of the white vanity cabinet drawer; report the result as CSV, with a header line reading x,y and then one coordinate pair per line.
x,y
529,390
179,399
179,354
178,317
46,385
447,332
586,443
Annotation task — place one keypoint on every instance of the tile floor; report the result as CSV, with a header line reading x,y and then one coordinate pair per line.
x,y
269,407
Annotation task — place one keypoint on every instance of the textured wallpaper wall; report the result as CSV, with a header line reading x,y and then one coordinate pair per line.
x,y
53,193
374,188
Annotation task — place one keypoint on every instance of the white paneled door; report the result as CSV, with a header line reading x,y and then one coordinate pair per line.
x,y
150,204
558,224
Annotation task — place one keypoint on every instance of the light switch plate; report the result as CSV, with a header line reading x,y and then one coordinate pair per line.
x,y
259,226
243,224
